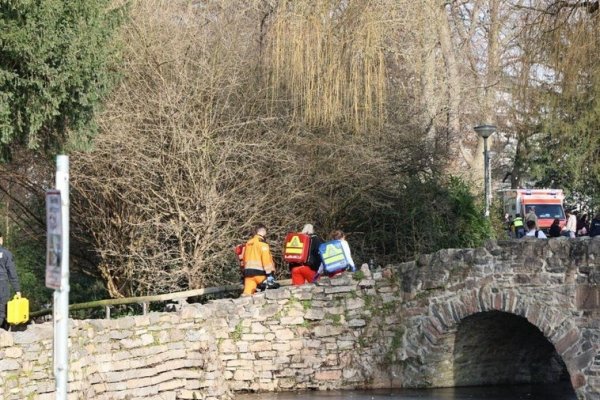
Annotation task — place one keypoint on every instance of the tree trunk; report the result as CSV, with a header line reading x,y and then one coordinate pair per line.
x,y
451,72
429,97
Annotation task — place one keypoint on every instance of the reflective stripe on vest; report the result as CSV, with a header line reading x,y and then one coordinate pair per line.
x,y
333,254
518,222
294,246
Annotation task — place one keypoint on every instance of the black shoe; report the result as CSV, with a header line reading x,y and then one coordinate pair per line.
x,y
272,285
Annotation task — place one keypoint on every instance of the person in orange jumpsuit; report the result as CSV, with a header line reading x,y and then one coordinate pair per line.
x,y
258,261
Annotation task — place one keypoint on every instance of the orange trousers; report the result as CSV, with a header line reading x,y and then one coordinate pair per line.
x,y
250,284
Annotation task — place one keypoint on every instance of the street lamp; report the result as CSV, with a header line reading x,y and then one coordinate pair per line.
x,y
485,131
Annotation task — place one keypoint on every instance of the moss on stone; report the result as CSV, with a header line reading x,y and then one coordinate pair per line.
x,y
306,304
335,318
237,332
358,276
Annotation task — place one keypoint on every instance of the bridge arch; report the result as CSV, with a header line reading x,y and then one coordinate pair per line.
x,y
455,325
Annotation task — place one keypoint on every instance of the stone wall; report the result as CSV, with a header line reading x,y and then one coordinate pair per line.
x,y
406,325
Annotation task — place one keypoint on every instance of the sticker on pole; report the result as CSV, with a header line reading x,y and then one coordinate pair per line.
x,y
53,239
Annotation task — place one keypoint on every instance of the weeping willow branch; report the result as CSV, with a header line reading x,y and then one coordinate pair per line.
x,y
326,59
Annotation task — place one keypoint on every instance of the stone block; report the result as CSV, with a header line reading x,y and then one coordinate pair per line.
x,y
354,304
277,294
327,330
314,314
349,373
261,346
130,343
9,365
171,385
257,327
366,283
328,375
268,355
357,323
123,323
243,375
13,352
269,310
587,297
252,337
147,339
33,334
345,344
340,289
336,310
240,364
287,383
292,320
566,341
228,346
281,347
284,334
265,375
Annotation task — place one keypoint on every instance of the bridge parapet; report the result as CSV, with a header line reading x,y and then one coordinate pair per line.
x,y
417,324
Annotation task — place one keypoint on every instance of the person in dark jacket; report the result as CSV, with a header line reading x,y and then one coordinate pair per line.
x,y
554,228
583,226
595,226
8,274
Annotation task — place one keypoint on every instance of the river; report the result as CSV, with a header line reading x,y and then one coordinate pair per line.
x,y
514,392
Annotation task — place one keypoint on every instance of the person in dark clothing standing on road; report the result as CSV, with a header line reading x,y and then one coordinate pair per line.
x,y
554,228
8,273
595,226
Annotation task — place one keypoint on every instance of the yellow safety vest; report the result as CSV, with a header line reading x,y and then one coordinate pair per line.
x,y
518,222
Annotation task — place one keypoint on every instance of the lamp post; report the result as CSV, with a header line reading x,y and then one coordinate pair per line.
x,y
485,131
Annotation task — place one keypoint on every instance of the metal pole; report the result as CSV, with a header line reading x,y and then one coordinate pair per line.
x,y
486,178
61,296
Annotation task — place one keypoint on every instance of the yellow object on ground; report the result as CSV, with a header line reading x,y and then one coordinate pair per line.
x,y
17,310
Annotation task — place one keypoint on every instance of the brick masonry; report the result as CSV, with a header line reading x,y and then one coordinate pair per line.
x,y
510,312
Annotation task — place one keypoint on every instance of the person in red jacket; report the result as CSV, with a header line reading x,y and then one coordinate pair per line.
x,y
258,262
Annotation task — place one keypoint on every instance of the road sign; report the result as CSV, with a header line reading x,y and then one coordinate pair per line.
x,y
53,239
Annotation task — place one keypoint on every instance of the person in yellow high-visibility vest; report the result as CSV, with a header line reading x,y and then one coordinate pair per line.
x,y
519,226
258,262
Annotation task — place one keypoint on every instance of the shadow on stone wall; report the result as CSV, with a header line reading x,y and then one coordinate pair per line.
x,y
501,348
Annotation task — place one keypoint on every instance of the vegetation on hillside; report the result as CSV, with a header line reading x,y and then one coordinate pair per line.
x,y
213,116
56,65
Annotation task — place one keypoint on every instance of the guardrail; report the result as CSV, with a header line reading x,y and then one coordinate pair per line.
x,y
146,300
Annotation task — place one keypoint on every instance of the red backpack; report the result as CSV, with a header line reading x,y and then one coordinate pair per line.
x,y
296,248
239,251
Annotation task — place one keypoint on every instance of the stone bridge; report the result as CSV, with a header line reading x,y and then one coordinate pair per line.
x,y
511,312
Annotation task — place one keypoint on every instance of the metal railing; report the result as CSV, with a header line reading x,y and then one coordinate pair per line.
x,y
145,301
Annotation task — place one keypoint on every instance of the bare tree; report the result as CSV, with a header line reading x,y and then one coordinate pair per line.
x,y
192,154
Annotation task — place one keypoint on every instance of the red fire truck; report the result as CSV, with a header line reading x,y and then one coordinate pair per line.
x,y
548,204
